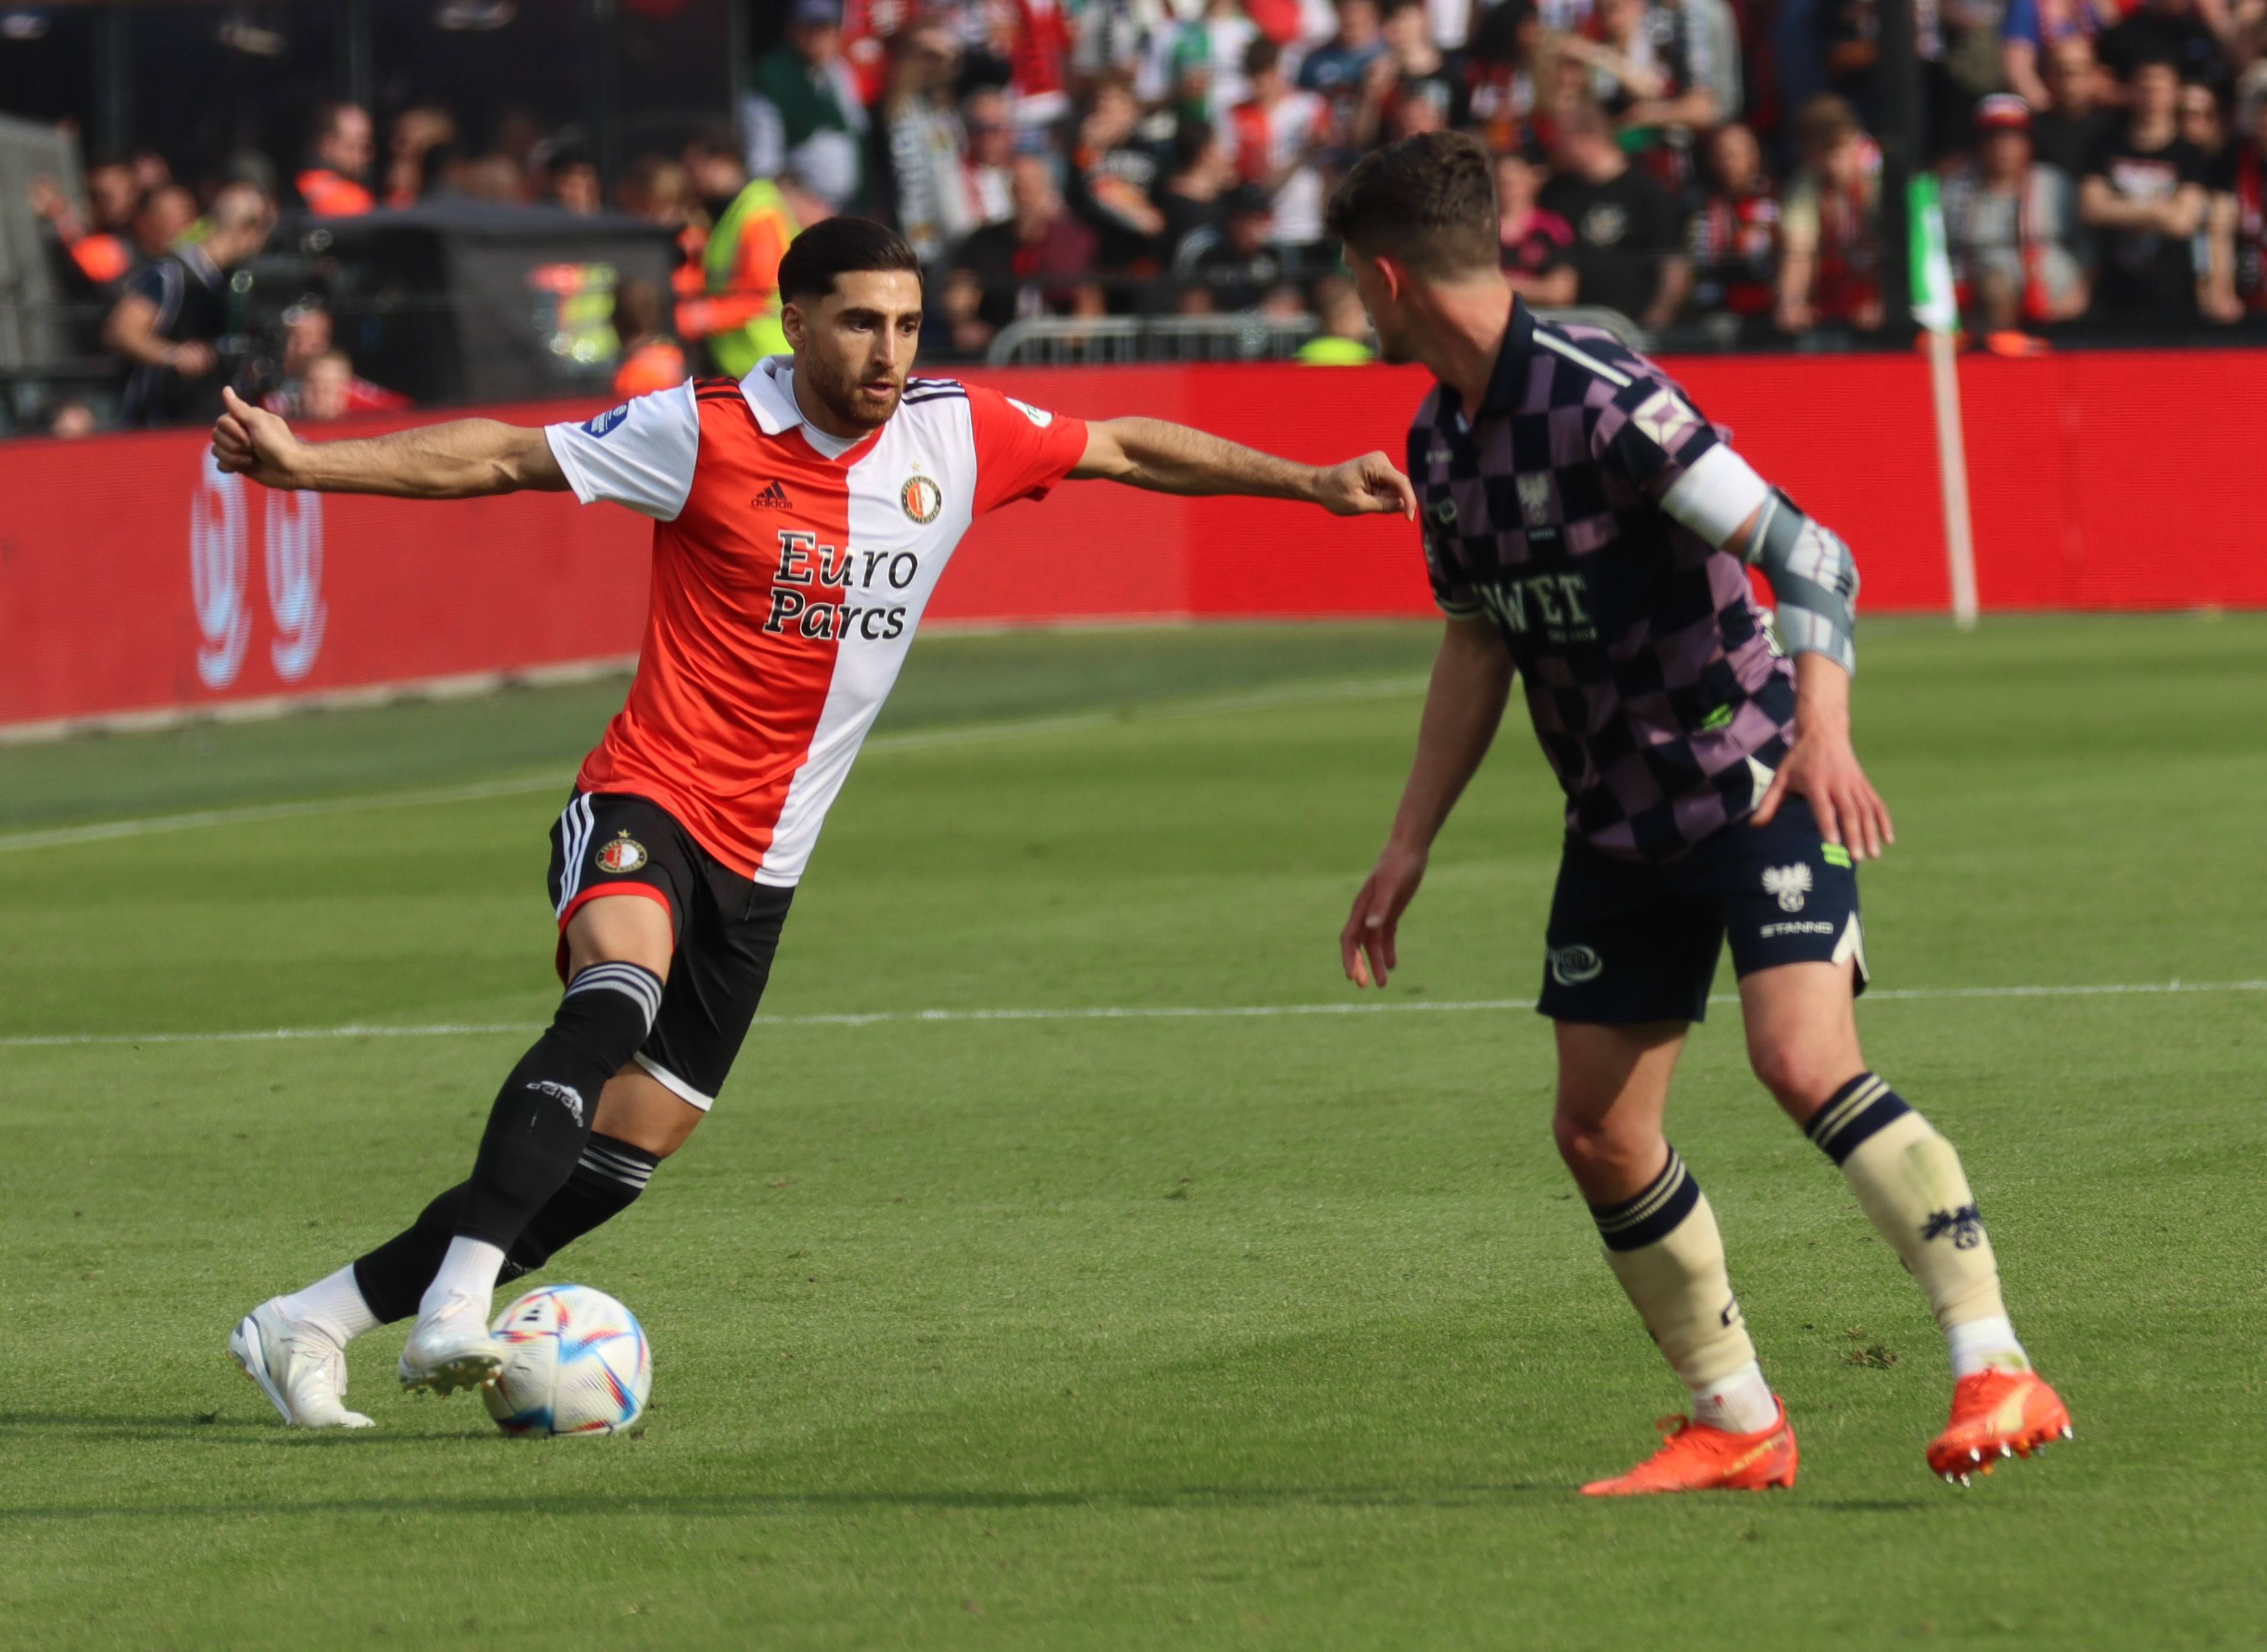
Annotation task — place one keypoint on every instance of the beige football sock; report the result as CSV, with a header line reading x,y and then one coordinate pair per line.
x,y
1663,1247
1909,1181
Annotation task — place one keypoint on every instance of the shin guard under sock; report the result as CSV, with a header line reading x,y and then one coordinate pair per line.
x,y
1662,1245
543,1114
1909,1181
606,1181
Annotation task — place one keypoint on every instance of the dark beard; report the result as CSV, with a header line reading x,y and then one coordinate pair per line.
x,y
841,403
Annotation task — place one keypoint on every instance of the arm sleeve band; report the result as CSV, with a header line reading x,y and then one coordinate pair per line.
x,y
1720,490
1814,578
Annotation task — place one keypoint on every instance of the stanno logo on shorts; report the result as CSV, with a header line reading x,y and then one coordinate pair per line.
x,y
625,853
1790,884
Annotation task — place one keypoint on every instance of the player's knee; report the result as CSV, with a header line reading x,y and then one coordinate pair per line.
x,y
636,1108
1590,1146
1799,1075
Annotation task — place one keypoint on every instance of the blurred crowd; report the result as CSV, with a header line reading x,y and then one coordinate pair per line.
x,y
1704,165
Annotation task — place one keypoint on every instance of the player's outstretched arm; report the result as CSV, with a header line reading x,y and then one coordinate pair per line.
x,y
1471,679
459,459
1171,458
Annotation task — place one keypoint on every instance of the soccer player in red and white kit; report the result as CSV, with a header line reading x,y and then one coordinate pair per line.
x,y
802,517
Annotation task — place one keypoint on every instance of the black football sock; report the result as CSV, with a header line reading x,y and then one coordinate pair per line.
x,y
542,1117
606,1182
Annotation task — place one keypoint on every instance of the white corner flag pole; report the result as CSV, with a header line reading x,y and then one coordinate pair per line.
x,y
1933,307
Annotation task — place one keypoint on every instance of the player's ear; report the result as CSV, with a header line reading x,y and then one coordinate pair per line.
x,y
794,324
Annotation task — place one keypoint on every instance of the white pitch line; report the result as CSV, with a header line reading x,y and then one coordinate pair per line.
x,y
915,740
1100,1013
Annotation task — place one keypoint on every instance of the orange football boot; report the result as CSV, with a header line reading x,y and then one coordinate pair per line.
x,y
1695,1457
1996,1415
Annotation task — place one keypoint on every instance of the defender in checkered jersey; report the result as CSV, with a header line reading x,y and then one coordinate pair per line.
x,y
1586,528
802,517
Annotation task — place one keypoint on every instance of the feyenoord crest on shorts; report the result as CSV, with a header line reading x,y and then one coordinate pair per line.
x,y
624,853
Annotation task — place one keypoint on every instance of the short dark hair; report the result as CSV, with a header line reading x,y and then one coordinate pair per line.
x,y
839,246
1428,199
1261,55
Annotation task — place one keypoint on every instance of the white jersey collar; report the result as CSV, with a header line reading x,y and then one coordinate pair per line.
x,y
770,390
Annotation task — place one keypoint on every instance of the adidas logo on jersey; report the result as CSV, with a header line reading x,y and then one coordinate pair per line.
x,y
774,496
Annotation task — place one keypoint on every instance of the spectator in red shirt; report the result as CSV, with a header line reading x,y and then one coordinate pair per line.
x,y
315,380
1538,245
1830,224
1735,233
338,153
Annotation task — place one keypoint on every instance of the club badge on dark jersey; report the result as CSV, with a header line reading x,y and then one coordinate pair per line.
x,y
624,853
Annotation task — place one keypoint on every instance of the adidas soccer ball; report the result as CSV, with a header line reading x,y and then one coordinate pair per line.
x,y
575,1361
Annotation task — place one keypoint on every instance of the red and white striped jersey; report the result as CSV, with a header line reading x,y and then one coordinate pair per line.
x,y
790,569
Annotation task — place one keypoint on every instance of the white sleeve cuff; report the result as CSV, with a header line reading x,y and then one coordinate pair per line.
x,y
554,437
1717,492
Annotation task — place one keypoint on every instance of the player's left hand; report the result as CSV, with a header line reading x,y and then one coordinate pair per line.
x,y
252,442
1365,486
1822,768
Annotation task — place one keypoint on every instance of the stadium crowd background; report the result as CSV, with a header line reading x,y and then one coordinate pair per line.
x,y
1705,167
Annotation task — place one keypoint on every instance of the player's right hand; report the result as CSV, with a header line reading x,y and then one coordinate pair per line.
x,y
253,443
1365,946
1364,487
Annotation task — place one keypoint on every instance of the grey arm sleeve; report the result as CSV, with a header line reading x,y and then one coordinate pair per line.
x,y
1814,578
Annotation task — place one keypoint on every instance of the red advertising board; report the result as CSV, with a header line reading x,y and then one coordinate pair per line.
x,y
135,578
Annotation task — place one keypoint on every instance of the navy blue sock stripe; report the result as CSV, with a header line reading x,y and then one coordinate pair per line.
x,y
1856,1111
1653,1214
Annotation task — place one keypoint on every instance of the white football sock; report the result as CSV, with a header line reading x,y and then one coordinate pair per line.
x,y
1740,1404
332,1305
469,1270
1981,1344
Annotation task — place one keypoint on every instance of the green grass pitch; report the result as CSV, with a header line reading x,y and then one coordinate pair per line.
x,y
1210,1331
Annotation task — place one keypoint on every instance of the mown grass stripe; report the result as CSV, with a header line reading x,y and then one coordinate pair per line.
x,y
1100,1012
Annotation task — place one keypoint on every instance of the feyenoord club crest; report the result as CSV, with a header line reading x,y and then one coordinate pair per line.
x,y
922,497
625,853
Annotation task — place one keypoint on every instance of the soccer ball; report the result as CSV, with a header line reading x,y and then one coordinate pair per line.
x,y
575,1361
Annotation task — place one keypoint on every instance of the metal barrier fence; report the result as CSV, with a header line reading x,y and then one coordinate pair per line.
x,y
1244,336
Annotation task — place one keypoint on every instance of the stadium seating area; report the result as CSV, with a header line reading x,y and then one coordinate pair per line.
x,y
1139,179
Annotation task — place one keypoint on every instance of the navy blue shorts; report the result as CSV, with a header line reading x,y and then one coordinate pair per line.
x,y
1631,942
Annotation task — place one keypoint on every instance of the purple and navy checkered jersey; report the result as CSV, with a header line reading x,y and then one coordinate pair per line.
x,y
1657,690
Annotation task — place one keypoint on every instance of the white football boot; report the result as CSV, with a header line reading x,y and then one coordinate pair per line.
x,y
452,1349
302,1372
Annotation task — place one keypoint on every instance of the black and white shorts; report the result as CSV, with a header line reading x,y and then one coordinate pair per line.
x,y
1631,942
726,928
